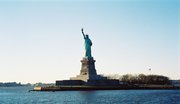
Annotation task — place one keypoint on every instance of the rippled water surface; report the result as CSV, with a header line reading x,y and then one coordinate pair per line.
x,y
20,95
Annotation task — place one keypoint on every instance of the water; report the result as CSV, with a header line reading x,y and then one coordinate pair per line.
x,y
20,95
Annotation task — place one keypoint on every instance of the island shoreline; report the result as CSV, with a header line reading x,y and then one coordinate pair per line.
x,y
93,88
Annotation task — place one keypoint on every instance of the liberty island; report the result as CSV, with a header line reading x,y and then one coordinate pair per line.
x,y
88,79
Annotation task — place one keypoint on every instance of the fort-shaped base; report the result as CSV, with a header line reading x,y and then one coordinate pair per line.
x,y
88,76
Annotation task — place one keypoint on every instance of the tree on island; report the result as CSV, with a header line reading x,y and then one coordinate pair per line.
x,y
142,79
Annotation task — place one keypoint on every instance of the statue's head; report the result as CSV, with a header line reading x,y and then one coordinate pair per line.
x,y
87,36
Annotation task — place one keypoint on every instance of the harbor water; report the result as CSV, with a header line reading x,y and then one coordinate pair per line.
x,y
21,95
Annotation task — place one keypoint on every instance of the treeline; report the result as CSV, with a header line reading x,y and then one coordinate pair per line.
x,y
44,84
10,84
142,79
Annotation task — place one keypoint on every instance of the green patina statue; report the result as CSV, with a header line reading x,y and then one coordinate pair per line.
x,y
88,45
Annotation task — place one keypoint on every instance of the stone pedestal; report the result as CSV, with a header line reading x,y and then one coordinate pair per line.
x,y
88,67
88,71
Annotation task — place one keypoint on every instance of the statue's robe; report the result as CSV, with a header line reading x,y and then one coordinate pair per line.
x,y
88,45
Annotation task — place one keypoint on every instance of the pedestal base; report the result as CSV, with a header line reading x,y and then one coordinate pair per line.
x,y
86,78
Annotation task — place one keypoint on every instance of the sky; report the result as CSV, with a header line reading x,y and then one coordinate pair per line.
x,y
41,41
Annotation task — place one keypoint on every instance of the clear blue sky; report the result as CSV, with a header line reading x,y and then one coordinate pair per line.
x,y
41,41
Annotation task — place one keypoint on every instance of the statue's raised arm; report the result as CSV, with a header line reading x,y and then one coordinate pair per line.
x,y
83,33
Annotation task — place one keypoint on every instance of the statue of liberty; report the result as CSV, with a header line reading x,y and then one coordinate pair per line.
x,y
87,44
